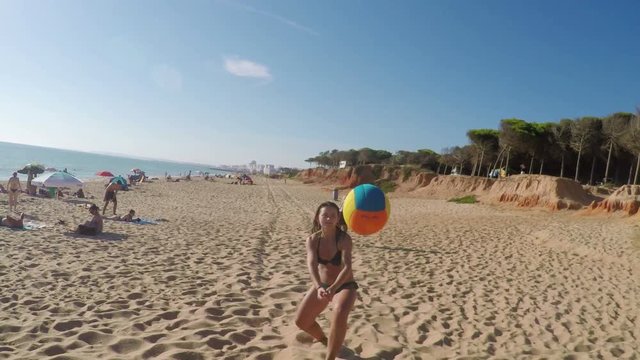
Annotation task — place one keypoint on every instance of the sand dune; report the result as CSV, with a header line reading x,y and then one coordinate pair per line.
x,y
222,276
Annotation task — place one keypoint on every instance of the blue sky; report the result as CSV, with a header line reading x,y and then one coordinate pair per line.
x,y
227,82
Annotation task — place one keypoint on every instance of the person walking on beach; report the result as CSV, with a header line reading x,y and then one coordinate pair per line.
x,y
14,187
329,264
110,195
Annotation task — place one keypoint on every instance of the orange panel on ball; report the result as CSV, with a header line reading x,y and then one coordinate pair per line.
x,y
367,222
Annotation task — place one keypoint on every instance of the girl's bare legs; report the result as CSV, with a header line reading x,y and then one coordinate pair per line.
x,y
343,302
308,311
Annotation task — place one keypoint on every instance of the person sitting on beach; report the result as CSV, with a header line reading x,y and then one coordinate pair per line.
x,y
12,222
94,226
14,187
331,277
79,194
59,193
110,195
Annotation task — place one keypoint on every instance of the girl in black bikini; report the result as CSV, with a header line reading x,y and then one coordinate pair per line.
x,y
329,264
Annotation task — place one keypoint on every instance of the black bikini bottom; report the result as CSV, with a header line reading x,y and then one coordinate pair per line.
x,y
348,285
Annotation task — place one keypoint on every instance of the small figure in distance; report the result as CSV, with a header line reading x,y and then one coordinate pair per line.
x,y
79,194
93,226
14,187
12,222
110,195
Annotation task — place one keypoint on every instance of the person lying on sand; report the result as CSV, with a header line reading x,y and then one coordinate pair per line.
x,y
12,222
127,218
329,264
94,226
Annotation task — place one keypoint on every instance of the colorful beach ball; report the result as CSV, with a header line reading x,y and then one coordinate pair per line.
x,y
366,209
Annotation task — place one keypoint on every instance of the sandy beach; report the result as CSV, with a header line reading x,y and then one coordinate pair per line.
x,y
221,274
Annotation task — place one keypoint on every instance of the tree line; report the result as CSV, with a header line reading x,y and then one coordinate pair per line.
x,y
587,149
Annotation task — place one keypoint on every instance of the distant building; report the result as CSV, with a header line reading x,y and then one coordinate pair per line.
x,y
343,164
268,169
253,167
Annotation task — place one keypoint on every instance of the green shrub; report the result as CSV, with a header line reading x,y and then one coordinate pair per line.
x,y
469,199
386,186
377,171
358,170
406,172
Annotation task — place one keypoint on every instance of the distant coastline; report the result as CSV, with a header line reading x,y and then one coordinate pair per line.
x,y
84,164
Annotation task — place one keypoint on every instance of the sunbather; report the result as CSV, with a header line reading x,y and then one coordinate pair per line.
x,y
12,222
128,218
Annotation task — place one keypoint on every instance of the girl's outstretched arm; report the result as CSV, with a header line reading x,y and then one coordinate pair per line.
x,y
312,262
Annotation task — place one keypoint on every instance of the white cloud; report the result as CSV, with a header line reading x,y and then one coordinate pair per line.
x,y
167,77
246,68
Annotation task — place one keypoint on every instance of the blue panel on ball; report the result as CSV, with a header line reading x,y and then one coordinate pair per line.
x,y
369,198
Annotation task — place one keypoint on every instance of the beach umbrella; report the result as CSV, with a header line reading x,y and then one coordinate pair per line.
x,y
57,179
32,168
135,170
119,179
104,173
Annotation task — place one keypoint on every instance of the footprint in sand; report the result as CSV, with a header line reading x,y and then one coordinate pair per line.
x,y
94,337
127,345
188,355
154,351
154,338
54,350
218,343
67,325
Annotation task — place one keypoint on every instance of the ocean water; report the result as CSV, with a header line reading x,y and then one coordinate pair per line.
x,y
85,165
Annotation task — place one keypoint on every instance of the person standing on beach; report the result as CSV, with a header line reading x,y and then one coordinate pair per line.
x,y
329,264
14,187
110,195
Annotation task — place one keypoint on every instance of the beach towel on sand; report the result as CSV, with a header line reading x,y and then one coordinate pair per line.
x,y
144,222
33,225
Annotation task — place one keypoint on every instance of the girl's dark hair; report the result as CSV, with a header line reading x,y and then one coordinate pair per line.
x,y
341,227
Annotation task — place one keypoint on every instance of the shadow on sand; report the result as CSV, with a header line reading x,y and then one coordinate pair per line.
x,y
79,201
397,248
105,236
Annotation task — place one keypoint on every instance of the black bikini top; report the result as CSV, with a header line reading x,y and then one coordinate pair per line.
x,y
335,260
